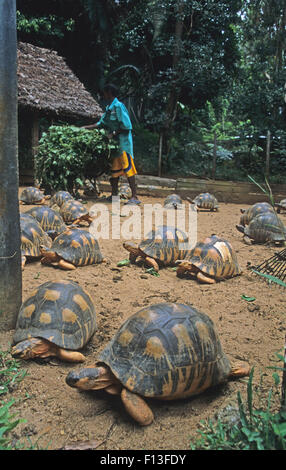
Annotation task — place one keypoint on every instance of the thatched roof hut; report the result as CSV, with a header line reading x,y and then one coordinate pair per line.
x,y
48,88
46,84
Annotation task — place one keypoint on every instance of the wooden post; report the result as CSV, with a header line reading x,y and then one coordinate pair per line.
x,y
35,141
10,251
267,166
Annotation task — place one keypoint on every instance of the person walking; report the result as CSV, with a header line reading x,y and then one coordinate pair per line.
x,y
116,120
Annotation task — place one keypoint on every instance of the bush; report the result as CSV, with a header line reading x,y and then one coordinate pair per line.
x,y
68,154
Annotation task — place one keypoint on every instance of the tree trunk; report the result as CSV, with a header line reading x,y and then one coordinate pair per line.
x,y
160,154
267,166
10,251
171,108
214,157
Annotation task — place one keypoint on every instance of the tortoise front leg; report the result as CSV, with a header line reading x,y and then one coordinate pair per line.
x,y
69,356
151,262
137,407
23,262
66,265
207,280
133,257
41,202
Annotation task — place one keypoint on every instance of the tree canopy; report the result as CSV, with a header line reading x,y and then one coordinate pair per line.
x,y
174,61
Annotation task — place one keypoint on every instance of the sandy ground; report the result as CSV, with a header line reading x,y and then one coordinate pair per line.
x,y
57,415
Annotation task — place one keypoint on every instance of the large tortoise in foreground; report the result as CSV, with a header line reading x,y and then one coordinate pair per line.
x,y
56,320
166,351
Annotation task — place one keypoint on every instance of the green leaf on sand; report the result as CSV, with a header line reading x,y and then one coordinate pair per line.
x,y
249,299
124,262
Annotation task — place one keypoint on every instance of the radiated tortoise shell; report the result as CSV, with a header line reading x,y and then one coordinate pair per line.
x,y
173,201
206,201
162,246
73,248
32,195
59,198
253,211
265,227
59,312
50,220
74,212
32,237
211,260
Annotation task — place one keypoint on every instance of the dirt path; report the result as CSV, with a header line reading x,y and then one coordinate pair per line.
x,y
56,414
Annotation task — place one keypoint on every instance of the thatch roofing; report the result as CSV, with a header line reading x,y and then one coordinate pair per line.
x,y
47,84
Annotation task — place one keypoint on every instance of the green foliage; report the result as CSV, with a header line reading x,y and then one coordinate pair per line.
x,y
68,154
7,424
10,375
255,429
266,190
46,25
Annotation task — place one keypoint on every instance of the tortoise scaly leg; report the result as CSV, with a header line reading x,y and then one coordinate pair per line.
x,y
207,280
69,356
114,389
151,262
23,262
137,407
66,265
240,370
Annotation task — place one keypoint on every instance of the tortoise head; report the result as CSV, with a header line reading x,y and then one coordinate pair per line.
x,y
91,378
49,256
131,247
31,348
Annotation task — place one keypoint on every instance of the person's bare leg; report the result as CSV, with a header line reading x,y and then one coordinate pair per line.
x,y
132,184
114,186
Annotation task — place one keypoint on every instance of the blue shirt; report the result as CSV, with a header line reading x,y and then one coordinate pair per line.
x,y
116,117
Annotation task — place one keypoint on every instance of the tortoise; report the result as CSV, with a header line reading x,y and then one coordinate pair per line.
x,y
50,220
74,212
210,261
252,211
59,198
124,191
163,246
167,351
72,248
281,205
173,201
265,227
32,195
32,237
57,319
205,201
